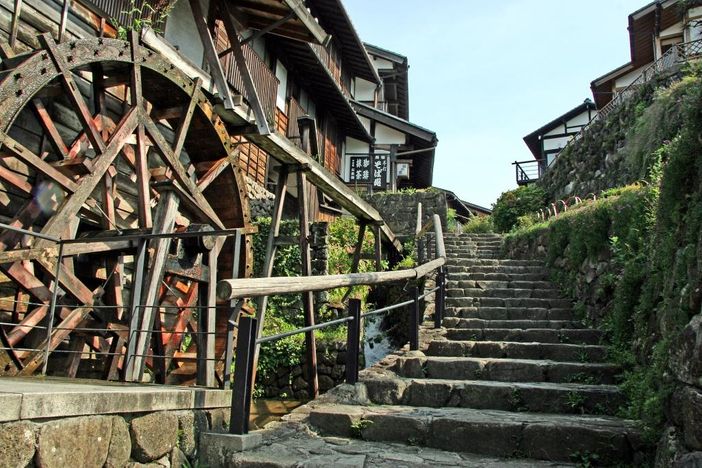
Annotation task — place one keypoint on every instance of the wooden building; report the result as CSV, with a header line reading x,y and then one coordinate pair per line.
x,y
124,149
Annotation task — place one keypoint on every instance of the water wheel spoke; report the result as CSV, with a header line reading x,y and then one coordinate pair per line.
x,y
102,163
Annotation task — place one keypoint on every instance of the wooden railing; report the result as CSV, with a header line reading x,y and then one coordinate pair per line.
x,y
263,77
528,171
677,54
247,339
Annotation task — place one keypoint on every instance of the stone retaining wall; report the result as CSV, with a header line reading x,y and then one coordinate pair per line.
x,y
166,438
291,382
399,210
58,423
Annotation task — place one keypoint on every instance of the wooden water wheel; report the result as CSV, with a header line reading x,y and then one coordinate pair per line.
x,y
102,138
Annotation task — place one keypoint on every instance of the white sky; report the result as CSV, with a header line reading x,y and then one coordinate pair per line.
x,y
483,74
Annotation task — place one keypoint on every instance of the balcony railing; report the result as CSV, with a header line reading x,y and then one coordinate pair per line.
x,y
263,77
529,171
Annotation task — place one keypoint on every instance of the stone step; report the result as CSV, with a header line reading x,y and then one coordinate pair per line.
x,y
504,277
456,322
499,269
537,335
497,262
507,302
506,370
535,293
487,432
503,284
516,350
538,397
510,313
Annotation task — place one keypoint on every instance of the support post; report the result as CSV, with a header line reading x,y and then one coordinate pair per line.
x,y
280,191
243,376
378,248
414,321
353,341
439,298
307,297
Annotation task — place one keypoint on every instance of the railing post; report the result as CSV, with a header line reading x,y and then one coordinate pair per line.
x,y
414,321
440,297
353,341
243,373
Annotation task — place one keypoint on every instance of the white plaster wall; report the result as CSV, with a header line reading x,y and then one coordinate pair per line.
x,y
624,81
182,32
556,131
282,74
364,90
388,136
555,143
382,64
580,119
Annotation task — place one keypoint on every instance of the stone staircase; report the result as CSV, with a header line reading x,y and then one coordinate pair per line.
x,y
511,376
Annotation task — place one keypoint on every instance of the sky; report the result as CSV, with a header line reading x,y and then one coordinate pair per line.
x,y
483,74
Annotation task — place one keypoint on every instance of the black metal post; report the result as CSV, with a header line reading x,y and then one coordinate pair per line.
x,y
353,341
439,303
243,373
414,321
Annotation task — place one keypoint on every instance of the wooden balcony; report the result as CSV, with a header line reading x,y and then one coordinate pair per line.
x,y
529,171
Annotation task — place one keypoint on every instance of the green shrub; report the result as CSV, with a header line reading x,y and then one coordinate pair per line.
x,y
478,225
515,203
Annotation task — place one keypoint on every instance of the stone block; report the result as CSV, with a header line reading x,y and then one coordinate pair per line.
x,y
692,418
495,438
120,444
689,460
218,449
17,441
686,359
428,394
83,441
153,436
219,419
395,428
10,404
330,421
190,425
386,391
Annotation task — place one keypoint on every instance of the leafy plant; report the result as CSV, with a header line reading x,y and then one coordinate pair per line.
x,y
478,225
143,15
357,427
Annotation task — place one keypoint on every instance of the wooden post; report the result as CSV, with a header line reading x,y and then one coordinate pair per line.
x,y
165,220
15,23
353,340
235,307
208,320
280,192
307,297
378,248
356,254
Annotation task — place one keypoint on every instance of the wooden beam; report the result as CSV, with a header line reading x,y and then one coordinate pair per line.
x,y
14,28
281,190
211,57
208,321
179,172
249,84
74,94
102,163
41,166
50,128
166,212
